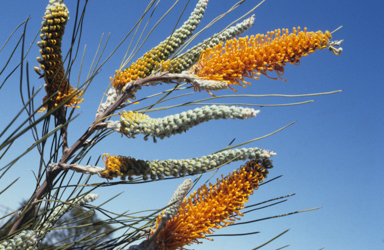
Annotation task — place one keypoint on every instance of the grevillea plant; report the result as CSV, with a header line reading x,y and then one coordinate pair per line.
x,y
217,63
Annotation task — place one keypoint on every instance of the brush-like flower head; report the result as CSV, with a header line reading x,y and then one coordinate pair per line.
x,y
211,207
251,56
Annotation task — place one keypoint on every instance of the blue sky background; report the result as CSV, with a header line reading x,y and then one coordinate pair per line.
x,y
331,157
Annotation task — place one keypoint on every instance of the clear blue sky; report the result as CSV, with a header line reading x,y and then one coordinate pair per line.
x,y
331,157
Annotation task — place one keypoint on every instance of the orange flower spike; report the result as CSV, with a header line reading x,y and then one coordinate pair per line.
x,y
212,208
248,56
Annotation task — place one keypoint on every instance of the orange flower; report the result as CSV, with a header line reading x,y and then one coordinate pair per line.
x,y
211,208
139,69
115,165
258,54
65,91
122,166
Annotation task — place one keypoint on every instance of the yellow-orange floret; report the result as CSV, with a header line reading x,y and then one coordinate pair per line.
x,y
248,57
134,117
65,91
211,208
120,166
176,65
139,69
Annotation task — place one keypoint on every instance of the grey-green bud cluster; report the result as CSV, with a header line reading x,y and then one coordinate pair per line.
x,y
190,57
158,169
22,241
86,199
60,210
180,168
176,200
185,31
167,47
203,84
131,124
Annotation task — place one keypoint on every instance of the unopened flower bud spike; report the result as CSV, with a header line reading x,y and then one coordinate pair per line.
x,y
176,200
59,211
56,84
186,60
123,167
132,123
25,240
143,66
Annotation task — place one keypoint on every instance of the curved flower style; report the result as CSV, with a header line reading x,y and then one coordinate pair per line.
x,y
144,65
190,57
247,57
56,16
133,123
128,167
211,207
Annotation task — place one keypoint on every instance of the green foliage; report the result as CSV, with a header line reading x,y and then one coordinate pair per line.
x,y
58,214
76,224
